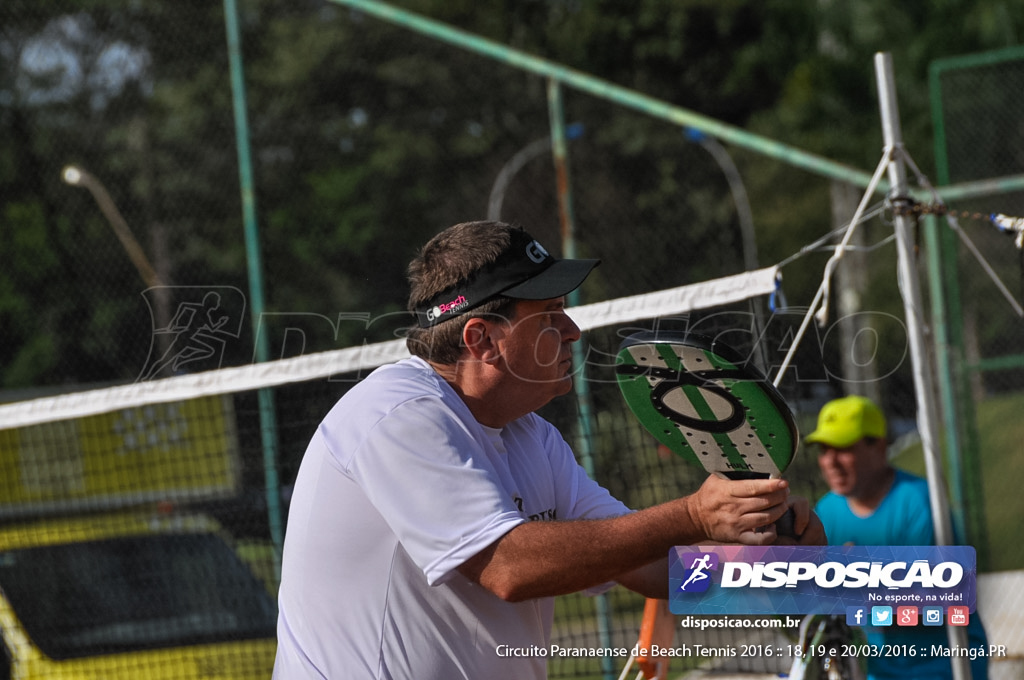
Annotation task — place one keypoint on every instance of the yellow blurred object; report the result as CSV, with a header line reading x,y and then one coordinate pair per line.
x,y
185,450
141,596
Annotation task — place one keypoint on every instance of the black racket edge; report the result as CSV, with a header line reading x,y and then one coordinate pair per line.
x,y
786,525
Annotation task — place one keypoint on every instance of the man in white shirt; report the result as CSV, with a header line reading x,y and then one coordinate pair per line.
x,y
435,515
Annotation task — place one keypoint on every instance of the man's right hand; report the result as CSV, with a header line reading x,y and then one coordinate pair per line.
x,y
739,511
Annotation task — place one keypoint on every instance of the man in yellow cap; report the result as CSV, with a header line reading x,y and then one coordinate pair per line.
x,y
872,503
853,457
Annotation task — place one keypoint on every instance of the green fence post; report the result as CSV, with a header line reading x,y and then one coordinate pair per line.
x,y
268,419
963,451
567,221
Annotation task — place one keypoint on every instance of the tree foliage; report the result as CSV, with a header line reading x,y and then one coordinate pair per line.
x,y
366,139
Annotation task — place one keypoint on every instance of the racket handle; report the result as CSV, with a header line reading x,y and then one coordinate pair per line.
x,y
786,525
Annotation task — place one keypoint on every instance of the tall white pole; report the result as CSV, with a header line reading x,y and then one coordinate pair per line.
x,y
927,412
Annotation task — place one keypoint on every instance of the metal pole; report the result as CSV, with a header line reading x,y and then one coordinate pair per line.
x,y
954,375
516,163
567,220
746,219
944,359
927,417
77,177
268,419
608,91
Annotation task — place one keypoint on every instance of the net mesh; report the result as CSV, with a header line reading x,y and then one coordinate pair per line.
x,y
192,450
367,138
983,139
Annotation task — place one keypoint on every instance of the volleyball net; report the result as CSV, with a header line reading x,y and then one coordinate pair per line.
x,y
223,446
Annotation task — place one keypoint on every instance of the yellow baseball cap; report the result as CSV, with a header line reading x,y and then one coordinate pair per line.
x,y
843,422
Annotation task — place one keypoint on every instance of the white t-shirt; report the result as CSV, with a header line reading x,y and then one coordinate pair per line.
x,y
398,487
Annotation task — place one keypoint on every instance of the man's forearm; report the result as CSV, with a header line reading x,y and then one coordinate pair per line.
x,y
650,580
541,559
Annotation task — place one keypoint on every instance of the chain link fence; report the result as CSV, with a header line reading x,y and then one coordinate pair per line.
x,y
979,137
122,224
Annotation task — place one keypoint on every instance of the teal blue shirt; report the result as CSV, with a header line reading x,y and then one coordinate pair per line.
x,y
903,518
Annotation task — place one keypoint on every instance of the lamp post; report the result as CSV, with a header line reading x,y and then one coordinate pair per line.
x,y
77,177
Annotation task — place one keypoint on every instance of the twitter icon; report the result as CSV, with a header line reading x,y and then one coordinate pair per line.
x,y
881,616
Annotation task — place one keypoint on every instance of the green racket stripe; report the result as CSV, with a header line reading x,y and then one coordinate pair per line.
x,y
702,408
637,390
771,429
760,444
768,424
727,447
670,357
725,444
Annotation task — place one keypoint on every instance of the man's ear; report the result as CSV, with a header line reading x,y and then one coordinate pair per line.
x,y
482,339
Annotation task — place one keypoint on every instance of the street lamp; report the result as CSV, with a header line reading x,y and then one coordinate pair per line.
x,y
516,163
77,177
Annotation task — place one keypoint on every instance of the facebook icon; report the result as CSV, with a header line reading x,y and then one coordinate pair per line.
x,y
855,616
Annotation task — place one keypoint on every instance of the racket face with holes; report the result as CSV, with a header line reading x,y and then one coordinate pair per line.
x,y
700,399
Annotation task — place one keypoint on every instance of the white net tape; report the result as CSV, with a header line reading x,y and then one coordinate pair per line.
x,y
704,295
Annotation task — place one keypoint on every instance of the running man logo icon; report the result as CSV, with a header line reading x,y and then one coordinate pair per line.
x,y
195,335
697,576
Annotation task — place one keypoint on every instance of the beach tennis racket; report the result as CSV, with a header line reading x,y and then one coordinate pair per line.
x,y
704,402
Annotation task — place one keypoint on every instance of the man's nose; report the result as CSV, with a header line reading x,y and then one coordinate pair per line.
x,y
570,331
